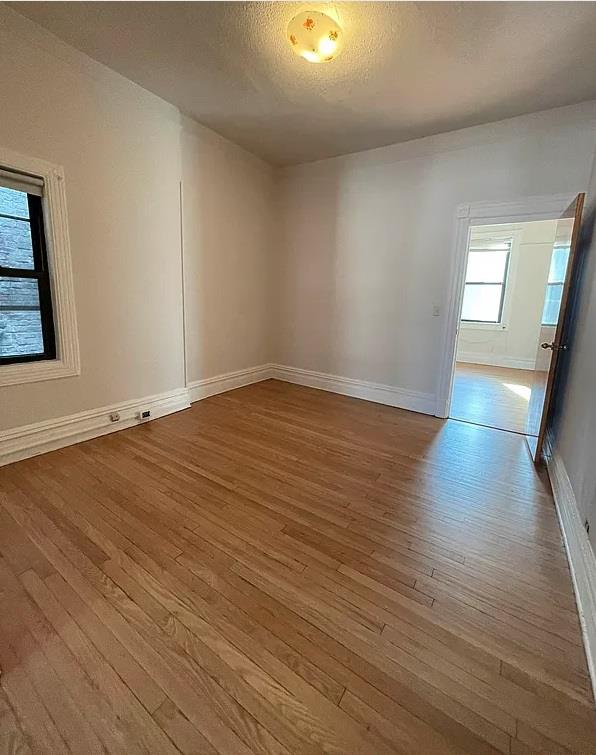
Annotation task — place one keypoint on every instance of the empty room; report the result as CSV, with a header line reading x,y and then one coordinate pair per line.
x,y
297,376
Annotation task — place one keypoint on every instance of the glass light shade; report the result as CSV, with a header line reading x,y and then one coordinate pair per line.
x,y
315,36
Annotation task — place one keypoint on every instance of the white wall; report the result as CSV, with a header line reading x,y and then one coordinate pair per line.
x,y
367,239
228,201
514,343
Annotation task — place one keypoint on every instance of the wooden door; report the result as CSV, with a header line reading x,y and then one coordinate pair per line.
x,y
563,264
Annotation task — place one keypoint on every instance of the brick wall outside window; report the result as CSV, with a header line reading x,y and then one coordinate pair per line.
x,y
20,319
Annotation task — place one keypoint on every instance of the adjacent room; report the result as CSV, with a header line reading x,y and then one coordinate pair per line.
x,y
513,285
297,368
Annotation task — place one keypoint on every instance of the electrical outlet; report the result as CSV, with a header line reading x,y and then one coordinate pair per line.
x,y
145,414
114,417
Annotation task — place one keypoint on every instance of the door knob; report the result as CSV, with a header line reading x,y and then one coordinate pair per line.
x,y
553,346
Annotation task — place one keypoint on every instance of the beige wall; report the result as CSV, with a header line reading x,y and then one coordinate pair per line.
x,y
125,153
228,199
119,146
368,237
515,343
333,266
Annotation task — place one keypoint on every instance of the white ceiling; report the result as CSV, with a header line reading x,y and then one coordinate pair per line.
x,y
407,70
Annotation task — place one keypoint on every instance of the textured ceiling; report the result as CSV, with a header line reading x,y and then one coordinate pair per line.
x,y
407,70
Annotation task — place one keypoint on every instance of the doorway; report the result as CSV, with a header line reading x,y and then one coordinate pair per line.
x,y
513,276
483,283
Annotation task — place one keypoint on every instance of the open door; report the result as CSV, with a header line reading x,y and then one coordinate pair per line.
x,y
562,268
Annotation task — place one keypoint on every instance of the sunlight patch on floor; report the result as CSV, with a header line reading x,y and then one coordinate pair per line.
x,y
523,391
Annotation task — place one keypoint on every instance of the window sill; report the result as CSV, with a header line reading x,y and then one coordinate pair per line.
x,y
34,372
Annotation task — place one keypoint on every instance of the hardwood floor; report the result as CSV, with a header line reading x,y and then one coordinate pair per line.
x,y
282,570
492,396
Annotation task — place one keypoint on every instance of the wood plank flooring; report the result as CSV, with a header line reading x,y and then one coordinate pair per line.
x,y
492,396
282,570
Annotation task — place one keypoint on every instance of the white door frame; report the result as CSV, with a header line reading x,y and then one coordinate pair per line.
x,y
469,215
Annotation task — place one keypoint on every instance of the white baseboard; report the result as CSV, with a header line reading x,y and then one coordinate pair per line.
x,y
496,360
40,437
580,554
382,394
199,389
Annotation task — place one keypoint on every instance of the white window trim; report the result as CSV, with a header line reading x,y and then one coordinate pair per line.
x,y
67,362
505,233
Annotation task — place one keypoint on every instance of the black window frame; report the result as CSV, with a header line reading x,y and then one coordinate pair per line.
x,y
503,285
41,274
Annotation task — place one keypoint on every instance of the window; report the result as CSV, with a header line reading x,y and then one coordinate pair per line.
x,y
38,328
486,280
26,319
554,287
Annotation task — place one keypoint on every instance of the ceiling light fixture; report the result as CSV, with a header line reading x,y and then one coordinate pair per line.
x,y
315,36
